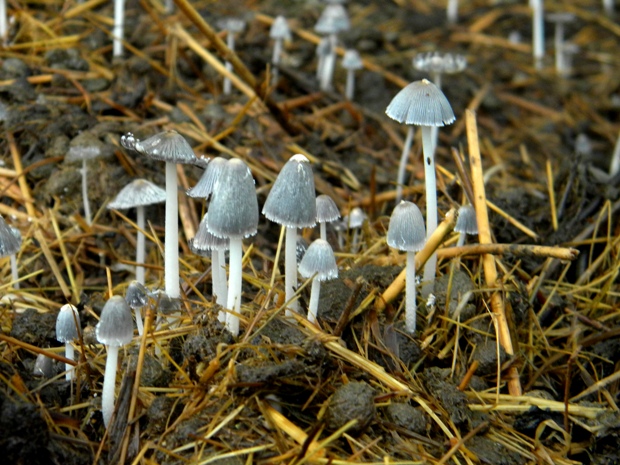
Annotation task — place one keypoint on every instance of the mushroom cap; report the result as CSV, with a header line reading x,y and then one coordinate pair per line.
x,y
421,103
204,241
115,327
435,62
466,220
83,152
233,211
136,295
406,231
352,60
204,187
66,328
355,218
326,209
18,235
138,193
561,17
168,146
279,29
291,201
232,24
319,259
333,19
9,243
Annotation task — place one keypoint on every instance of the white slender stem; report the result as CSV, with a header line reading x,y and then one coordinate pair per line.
x,y
453,11
70,354
171,243
410,294
323,229
560,67
327,71
402,166
275,61
461,240
313,306
224,286
14,272
216,277
431,199
319,66
614,166
234,287
138,312
169,6
119,28
3,21
290,269
230,42
87,215
608,6
140,247
350,87
109,384
538,28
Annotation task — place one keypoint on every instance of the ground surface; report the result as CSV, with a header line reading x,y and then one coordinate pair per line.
x,y
359,389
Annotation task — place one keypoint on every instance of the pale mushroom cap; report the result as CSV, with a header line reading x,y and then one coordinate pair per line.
x,y
138,193
232,24
406,231
355,218
66,329
435,62
421,103
168,146
279,29
352,60
291,201
137,295
233,211
9,243
333,19
83,152
319,259
115,327
204,187
326,209
561,17
204,241
466,221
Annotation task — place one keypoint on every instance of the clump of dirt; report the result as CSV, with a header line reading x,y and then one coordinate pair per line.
x,y
352,401
486,354
38,329
492,452
458,284
408,417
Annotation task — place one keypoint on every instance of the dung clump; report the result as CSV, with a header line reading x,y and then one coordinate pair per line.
x,y
353,401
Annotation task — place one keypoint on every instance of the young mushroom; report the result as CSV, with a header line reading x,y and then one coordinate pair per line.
x,y
115,329
292,204
466,223
232,26
351,61
10,244
560,19
137,296
84,154
406,233
138,194
279,32
204,187
326,212
67,331
319,263
333,20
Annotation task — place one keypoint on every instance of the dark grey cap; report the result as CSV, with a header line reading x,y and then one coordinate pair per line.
x,y
204,241
204,187
138,193
421,103
233,211
66,329
326,209
168,146
115,327
137,295
9,243
466,221
279,29
291,201
319,259
406,230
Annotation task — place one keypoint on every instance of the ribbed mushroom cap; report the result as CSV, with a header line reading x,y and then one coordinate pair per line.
x,y
137,295
279,29
421,103
352,60
435,62
204,241
18,235
9,243
168,146
233,211
319,259
466,221
66,329
406,231
138,193
204,187
291,201
333,19
115,327
326,209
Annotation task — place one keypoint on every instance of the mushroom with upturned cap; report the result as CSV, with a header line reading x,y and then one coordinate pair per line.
x,y
319,263
67,330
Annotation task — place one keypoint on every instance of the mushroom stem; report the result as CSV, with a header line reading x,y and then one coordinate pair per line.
x,y
140,246
453,11
14,272
410,294
350,87
327,70
614,166
402,166
171,248
538,33
70,354
118,30
222,271
234,287
275,61
230,43
313,306
109,382
323,229
138,312
461,240
290,269
87,215
3,22
218,285
608,6
431,199
560,67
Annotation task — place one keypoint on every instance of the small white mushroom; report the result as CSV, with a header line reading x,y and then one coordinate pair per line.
x,y
351,62
67,331
326,212
319,263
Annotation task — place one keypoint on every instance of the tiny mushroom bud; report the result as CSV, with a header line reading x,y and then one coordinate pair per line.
x,y
67,330
137,296
326,212
319,263
351,62
466,223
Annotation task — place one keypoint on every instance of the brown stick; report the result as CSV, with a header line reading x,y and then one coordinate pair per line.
x,y
521,250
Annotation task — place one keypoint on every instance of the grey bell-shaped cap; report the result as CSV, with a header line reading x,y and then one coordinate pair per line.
x,y
355,219
352,60
326,209
137,295
168,146
421,103
232,24
279,29
67,324
291,201
319,259
204,241
138,193
115,327
444,63
9,243
333,19
233,211
466,221
406,231
83,152
204,187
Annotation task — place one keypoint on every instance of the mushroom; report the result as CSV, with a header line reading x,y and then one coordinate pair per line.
x,y
292,204
538,32
406,233
137,296
608,6
452,11
279,32
10,243
351,62
43,366
84,153
319,263
232,27
67,330
422,103
436,64
560,19
171,147
3,22
333,19
14,271
466,223
115,329
233,214
323,49
118,31
138,194
204,187
326,212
